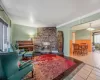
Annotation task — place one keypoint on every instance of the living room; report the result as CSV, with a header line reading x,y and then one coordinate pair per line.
x,y
37,40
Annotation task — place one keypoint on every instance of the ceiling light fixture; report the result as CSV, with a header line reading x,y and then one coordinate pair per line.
x,y
90,28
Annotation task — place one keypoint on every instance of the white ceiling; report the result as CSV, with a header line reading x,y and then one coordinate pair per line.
x,y
94,24
47,13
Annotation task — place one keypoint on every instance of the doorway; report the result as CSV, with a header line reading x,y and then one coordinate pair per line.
x,y
86,34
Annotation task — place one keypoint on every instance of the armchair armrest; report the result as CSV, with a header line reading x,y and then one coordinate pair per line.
x,y
25,64
1,50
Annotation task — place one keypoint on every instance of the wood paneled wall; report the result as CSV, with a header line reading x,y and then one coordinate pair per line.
x,y
82,41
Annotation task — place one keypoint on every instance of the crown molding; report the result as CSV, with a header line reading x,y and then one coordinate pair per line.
x,y
79,18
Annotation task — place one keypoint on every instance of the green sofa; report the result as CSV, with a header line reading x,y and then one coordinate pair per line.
x,y
9,68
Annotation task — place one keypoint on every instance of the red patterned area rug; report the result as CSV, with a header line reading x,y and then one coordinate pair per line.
x,y
49,66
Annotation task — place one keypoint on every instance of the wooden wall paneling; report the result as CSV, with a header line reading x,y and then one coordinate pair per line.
x,y
79,42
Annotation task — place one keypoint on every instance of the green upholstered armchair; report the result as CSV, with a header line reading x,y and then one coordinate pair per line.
x,y
9,68
20,52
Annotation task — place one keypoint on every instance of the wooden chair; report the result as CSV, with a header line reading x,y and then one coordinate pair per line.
x,y
84,49
76,49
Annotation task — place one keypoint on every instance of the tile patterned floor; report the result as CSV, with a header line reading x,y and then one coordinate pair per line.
x,y
87,72
91,59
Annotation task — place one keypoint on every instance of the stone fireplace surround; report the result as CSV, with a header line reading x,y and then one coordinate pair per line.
x,y
46,34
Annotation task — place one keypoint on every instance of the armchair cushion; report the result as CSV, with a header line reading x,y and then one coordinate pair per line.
x,y
9,63
21,74
28,54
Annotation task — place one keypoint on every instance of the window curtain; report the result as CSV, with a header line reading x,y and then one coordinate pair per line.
x,y
3,35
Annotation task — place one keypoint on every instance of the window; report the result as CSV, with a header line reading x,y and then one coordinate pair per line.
x,y
3,35
97,38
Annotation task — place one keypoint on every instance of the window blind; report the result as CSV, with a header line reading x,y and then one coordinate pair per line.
x,y
3,35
